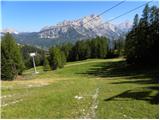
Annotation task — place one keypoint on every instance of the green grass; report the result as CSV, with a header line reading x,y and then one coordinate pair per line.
x,y
124,92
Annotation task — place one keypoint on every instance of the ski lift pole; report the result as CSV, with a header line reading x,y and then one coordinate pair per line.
x,y
34,65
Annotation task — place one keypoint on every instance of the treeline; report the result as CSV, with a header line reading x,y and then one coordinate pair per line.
x,y
94,48
142,42
16,58
58,55
98,47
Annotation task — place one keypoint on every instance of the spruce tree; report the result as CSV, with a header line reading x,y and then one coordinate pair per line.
x,y
46,66
57,58
142,41
135,21
66,48
11,62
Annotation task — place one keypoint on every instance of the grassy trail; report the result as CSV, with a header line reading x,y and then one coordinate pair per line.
x,y
95,88
84,62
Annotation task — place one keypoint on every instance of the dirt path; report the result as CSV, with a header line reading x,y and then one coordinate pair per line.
x,y
91,113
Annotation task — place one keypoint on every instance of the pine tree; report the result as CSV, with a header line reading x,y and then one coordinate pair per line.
x,y
66,48
57,58
46,66
142,41
145,15
154,35
62,60
135,21
11,63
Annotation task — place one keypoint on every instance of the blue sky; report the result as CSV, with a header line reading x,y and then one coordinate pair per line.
x,y
29,16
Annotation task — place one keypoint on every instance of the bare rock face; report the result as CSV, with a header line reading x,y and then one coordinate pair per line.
x,y
87,27
9,30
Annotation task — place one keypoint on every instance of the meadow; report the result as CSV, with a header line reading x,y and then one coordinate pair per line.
x,y
93,88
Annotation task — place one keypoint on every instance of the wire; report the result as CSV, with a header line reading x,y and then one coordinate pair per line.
x,y
125,13
122,15
95,16
105,11
119,15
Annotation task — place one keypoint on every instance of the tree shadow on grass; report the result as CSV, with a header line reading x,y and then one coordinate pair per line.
x,y
138,94
132,74
136,73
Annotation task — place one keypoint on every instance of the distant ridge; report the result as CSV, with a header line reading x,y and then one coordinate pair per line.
x,y
71,31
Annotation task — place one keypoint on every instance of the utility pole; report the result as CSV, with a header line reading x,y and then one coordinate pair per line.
x,y
32,55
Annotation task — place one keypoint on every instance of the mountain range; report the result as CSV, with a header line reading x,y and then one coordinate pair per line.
x,y
72,31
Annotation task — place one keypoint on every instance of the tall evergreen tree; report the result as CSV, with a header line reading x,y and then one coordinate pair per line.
x,y
145,15
135,21
57,58
142,41
153,41
66,48
46,66
11,58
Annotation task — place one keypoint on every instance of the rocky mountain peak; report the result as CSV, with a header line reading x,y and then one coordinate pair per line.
x,y
10,30
87,27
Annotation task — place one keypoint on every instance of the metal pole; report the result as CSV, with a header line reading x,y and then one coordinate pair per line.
x,y
34,65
